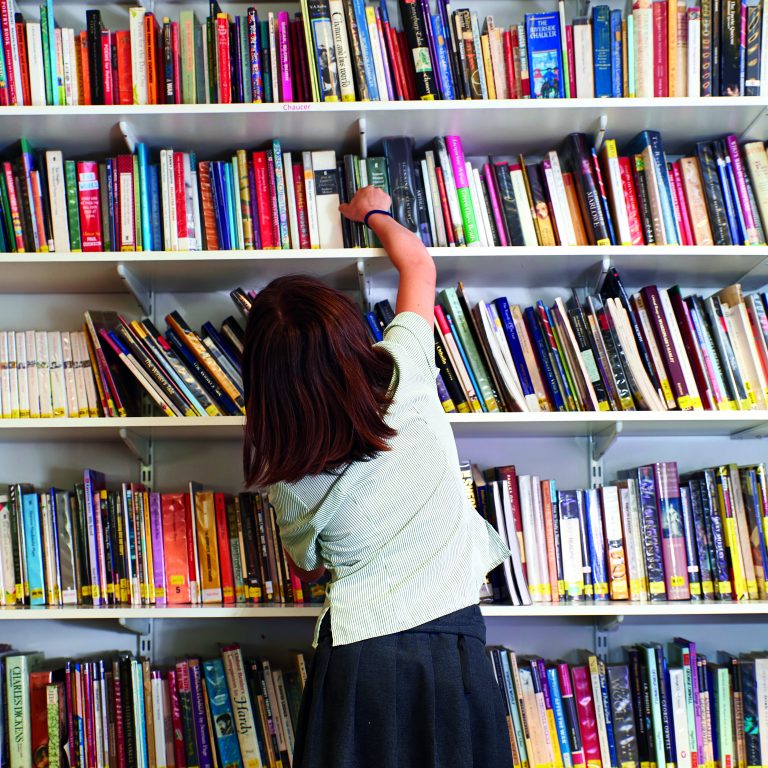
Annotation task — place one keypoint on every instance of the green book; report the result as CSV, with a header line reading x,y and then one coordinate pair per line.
x,y
188,53
657,728
377,177
73,210
266,62
6,204
723,713
54,735
210,32
17,669
200,73
46,56
245,58
449,301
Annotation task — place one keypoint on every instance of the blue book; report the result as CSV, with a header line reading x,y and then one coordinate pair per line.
x,y
204,746
443,63
594,515
728,198
366,50
155,215
617,69
559,712
513,341
586,558
209,330
232,207
222,714
465,360
373,327
608,716
741,224
517,724
601,42
254,50
604,205
33,547
144,197
545,56
220,205
652,139
282,206
543,354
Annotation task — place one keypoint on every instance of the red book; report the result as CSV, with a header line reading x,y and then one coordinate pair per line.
x,y
90,740
301,205
686,228
181,201
398,53
106,66
21,40
660,72
397,74
297,587
176,55
154,92
38,707
178,726
515,46
14,205
509,63
224,62
630,198
90,205
126,230
509,473
272,199
37,194
585,707
449,231
85,68
266,228
571,60
176,546
7,28
225,553
124,68
194,583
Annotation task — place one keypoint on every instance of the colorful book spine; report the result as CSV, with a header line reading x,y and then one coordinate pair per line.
x,y
458,166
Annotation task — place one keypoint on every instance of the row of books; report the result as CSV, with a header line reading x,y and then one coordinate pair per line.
x,y
677,707
103,370
345,50
232,710
652,535
124,545
272,199
609,351
718,194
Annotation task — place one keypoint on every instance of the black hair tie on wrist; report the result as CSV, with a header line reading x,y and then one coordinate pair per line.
x,y
370,213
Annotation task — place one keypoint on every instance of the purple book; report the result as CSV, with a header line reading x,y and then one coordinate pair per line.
x,y
158,553
198,715
741,188
495,204
284,51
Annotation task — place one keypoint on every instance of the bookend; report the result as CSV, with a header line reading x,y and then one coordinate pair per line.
x,y
604,626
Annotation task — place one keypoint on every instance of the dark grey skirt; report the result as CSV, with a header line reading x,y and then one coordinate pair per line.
x,y
423,698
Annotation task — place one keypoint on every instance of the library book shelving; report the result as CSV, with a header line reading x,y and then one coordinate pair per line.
x,y
47,291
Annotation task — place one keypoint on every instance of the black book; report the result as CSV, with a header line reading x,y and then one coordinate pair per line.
x,y
28,224
268,587
622,714
348,228
415,28
94,27
643,201
508,202
491,219
16,492
718,216
665,700
717,55
253,576
212,45
458,68
421,206
384,313
754,43
79,528
642,718
588,353
350,187
402,181
730,42
168,79
129,714
450,378
236,62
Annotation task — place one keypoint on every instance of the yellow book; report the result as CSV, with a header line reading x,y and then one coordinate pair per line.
x,y
245,199
525,722
730,533
597,677
207,547
742,530
488,66
672,47
147,534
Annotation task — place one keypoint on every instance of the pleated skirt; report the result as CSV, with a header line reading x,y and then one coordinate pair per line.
x,y
423,698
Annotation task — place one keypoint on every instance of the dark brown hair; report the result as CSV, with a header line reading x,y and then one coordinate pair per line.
x,y
315,388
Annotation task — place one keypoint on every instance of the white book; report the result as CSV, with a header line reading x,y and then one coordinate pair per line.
x,y
284,709
52,589
14,60
158,718
678,711
273,49
290,194
481,230
428,198
177,243
557,176
496,49
501,524
597,697
56,367
22,375
682,355
694,55
642,15
450,185
43,374
561,220
579,360
533,567
73,405
570,546
69,67
166,206
5,377
483,207
442,239
138,55
189,195
13,374
33,384
761,678
207,76
87,401
744,330
635,575
513,541
234,670
343,50
71,46
60,67
57,192
327,199
614,540
583,61
7,574
35,64
309,194
378,54
618,203
523,209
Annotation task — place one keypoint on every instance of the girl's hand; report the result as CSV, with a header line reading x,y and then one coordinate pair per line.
x,y
366,199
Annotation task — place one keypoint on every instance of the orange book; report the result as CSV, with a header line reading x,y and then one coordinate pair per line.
x,y
557,585
207,547
206,201
697,204
85,69
175,548
124,68
150,36
38,707
572,195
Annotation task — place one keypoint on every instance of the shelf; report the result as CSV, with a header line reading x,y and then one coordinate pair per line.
x,y
540,611
529,267
745,424
525,125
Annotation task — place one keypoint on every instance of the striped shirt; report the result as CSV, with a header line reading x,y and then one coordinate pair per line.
x,y
398,534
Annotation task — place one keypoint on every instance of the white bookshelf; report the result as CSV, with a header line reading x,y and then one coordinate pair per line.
x,y
48,291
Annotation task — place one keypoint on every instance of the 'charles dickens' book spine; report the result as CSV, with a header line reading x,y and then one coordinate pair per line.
x,y
651,534
415,29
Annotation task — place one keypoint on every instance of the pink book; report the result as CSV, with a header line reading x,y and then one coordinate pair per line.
x,y
669,507
569,703
585,706
106,63
684,216
495,206
571,60
741,188
158,553
286,83
175,53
